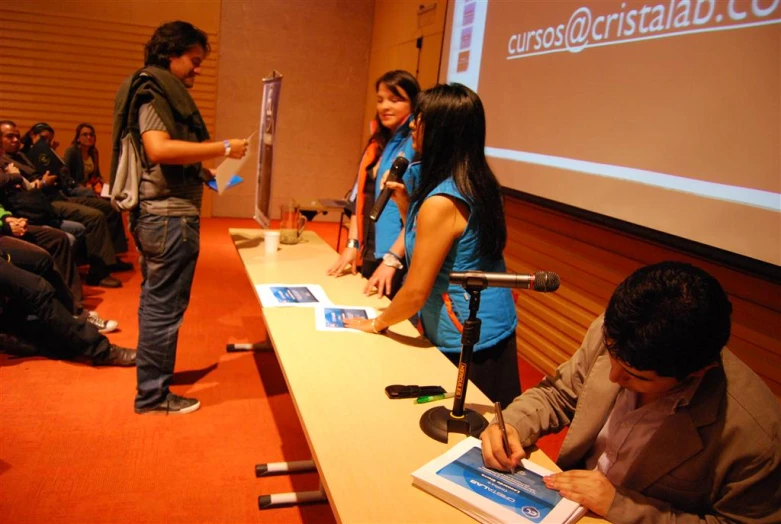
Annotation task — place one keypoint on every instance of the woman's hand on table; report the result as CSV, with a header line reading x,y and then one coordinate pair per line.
x,y
367,325
382,279
347,257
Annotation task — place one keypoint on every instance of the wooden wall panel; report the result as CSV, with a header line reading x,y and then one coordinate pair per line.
x,y
592,260
62,66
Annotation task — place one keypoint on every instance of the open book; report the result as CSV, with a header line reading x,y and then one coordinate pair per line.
x,y
459,478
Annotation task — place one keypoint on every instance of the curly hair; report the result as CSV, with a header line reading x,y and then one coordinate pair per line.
x,y
171,40
672,318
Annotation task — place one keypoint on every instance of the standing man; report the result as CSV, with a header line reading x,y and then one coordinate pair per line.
x,y
155,107
665,423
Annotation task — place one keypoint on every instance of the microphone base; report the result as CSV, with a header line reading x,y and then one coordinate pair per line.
x,y
438,422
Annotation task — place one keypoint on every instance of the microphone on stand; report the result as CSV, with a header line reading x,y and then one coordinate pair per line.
x,y
397,170
438,422
543,281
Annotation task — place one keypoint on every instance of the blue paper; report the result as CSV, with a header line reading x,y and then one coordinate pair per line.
x,y
236,179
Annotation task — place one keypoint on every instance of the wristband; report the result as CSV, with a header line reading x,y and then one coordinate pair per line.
x,y
227,145
374,327
352,242
391,259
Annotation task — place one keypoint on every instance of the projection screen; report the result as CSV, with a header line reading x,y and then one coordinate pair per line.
x,y
664,114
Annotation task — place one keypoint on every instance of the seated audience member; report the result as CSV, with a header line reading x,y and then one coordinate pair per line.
x,y
24,199
454,221
32,310
62,190
665,423
83,162
33,258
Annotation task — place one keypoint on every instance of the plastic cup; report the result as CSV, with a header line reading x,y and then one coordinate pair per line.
x,y
271,240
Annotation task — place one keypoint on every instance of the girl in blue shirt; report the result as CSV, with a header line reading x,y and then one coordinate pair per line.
x,y
454,221
378,248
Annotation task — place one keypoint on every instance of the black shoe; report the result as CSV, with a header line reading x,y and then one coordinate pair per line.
x,y
117,356
107,281
120,265
172,404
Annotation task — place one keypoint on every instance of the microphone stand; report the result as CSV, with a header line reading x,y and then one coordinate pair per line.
x,y
439,421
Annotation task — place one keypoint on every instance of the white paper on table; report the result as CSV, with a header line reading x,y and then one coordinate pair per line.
x,y
228,168
291,295
331,317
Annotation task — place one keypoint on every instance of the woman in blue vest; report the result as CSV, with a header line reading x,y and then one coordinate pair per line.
x,y
379,248
454,222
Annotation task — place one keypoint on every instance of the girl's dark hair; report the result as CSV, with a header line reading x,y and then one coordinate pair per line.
x,y
394,80
453,126
171,40
78,133
37,129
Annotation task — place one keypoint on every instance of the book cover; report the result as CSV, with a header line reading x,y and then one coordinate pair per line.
x,y
459,478
291,295
332,317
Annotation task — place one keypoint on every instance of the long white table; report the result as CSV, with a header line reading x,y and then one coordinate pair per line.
x,y
364,444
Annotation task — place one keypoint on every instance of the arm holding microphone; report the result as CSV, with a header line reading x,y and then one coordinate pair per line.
x,y
392,187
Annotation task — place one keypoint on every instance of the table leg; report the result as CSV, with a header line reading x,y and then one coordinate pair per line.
x,y
286,499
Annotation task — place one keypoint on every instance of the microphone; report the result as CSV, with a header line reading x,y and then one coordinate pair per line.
x,y
544,281
397,170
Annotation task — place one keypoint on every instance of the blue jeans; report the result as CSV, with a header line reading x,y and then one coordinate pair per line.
x,y
168,248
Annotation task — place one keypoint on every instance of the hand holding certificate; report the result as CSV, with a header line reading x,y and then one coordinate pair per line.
x,y
228,169
459,478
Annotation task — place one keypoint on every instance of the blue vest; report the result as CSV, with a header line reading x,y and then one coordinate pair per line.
x,y
388,226
447,307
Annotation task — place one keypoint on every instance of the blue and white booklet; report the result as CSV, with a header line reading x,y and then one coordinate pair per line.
x,y
459,478
332,317
291,295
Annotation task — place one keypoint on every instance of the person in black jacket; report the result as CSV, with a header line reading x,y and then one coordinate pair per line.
x,y
31,308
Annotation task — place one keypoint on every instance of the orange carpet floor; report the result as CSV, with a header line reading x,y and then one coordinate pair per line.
x,y
73,451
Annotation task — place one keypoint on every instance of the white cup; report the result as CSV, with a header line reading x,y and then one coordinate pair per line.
x,y
271,240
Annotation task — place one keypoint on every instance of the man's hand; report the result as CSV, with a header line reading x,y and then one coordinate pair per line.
x,y
590,489
238,147
18,226
382,279
49,179
347,257
493,448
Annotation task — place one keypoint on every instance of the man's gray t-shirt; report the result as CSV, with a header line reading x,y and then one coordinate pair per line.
x,y
162,191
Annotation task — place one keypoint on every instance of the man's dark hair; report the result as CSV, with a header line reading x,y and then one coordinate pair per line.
x,y
171,40
671,318
8,123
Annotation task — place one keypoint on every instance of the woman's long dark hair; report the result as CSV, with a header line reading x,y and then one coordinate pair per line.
x,y
393,80
37,129
75,141
453,127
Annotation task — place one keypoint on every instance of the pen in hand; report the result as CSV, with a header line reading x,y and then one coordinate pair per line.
x,y
503,429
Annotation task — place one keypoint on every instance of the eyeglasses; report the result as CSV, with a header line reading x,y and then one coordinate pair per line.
x,y
11,136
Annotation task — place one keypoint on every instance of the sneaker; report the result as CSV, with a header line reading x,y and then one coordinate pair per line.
x,y
103,325
117,356
173,404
